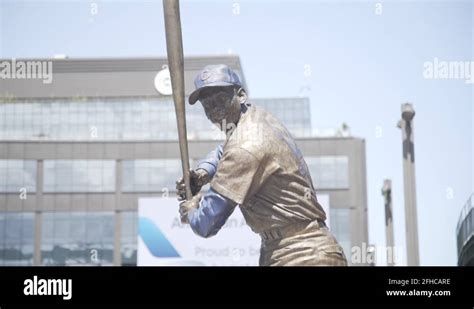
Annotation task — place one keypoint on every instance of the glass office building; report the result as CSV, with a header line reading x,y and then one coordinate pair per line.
x,y
465,234
76,155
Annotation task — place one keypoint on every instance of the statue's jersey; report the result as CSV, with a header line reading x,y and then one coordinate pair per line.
x,y
263,171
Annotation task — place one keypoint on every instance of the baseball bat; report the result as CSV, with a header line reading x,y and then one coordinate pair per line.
x,y
174,48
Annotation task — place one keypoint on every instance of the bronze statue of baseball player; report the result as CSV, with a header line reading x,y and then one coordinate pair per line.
x,y
260,169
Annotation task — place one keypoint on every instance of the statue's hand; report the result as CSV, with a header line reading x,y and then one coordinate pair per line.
x,y
198,178
186,206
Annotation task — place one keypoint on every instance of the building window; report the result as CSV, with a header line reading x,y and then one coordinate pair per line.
x,y
468,224
87,119
79,176
16,239
466,230
150,175
135,118
341,228
77,238
329,172
16,175
471,215
129,238
294,113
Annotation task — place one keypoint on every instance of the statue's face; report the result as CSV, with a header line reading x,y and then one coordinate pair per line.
x,y
221,105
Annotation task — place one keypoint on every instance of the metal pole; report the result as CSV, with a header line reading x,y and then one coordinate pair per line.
x,y
390,243
411,223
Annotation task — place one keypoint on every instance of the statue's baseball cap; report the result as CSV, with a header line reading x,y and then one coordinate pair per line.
x,y
214,75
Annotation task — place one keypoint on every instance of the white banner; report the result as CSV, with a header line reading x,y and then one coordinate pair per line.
x,y
163,240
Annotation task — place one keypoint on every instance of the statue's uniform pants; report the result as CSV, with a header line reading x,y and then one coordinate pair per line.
x,y
308,244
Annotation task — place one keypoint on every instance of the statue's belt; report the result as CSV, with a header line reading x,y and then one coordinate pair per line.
x,y
290,230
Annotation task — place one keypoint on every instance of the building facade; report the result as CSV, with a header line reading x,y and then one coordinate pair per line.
x,y
76,154
465,234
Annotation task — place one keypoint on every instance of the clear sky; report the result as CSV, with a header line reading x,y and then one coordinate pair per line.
x,y
360,60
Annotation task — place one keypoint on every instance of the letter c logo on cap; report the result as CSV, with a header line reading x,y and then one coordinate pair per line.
x,y
205,75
